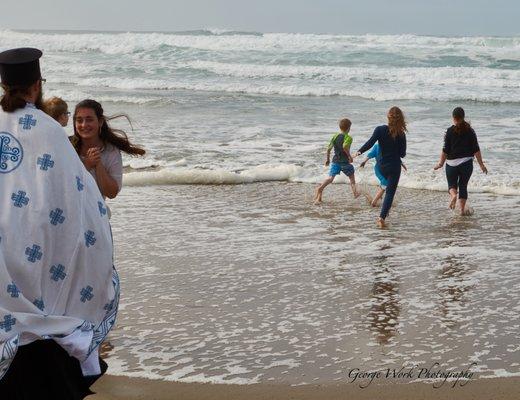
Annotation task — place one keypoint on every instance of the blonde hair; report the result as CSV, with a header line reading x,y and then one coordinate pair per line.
x,y
345,124
396,122
55,107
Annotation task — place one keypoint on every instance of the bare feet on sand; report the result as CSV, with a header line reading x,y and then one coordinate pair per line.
x,y
466,212
317,197
453,201
381,223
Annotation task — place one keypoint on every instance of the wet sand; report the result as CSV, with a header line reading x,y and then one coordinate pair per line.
x,y
253,284
123,388
264,288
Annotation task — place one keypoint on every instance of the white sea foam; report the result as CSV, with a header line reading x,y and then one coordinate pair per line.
x,y
76,95
259,304
293,173
371,82
147,163
185,374
501,373
124,43
448,83
262,173
444,76
394,67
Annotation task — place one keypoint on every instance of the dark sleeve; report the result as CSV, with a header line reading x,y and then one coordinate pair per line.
x,y
446,148
370,142
402,145
476,147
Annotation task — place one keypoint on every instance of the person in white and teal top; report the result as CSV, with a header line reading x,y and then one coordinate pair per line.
x,y
342,160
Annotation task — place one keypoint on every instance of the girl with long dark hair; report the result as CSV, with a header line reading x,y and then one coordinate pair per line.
x,y
99,146
460,146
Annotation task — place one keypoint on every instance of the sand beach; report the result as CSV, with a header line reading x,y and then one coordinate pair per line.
x,y
121,388
233,283
309,297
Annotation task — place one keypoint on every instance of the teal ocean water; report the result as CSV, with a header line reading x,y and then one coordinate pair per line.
x,y
234,107
229,273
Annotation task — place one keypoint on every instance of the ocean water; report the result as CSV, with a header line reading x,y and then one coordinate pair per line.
x,y
229,273
234,107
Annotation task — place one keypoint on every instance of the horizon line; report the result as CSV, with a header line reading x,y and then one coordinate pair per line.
x,y
224,31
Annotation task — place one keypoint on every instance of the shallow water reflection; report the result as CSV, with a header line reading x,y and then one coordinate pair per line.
x,y
252,283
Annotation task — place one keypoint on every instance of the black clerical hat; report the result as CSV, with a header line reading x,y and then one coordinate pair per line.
x,y
20,66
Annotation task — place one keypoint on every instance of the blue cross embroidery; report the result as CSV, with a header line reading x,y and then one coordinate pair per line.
x,y
39,303
8,322
79,184
34,253
13,290
56,216
89,238
19,199
45,162
109,306
27,122
86,294
102,210
10,155
57,272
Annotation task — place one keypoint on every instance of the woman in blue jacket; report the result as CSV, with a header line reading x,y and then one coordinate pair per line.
x,y
392,143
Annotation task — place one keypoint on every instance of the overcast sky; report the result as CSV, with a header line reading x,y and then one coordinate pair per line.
x,y
424,17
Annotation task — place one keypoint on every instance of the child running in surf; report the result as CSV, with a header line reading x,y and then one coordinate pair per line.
x,y
341,162
375,152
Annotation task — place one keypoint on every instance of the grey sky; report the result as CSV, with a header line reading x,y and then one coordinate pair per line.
x,y
437,17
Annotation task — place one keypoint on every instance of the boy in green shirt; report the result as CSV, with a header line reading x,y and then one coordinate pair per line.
x,y
341,162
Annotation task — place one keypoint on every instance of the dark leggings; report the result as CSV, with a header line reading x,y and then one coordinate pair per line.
x,y
392,175
458,177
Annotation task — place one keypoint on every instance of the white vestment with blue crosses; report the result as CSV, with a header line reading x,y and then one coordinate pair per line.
x,y
57,279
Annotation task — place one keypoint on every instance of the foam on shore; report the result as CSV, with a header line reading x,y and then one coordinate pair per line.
x,y
295,174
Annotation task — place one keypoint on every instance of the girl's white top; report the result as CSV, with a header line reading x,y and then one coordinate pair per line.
x,y
113,163
457,161
57,279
